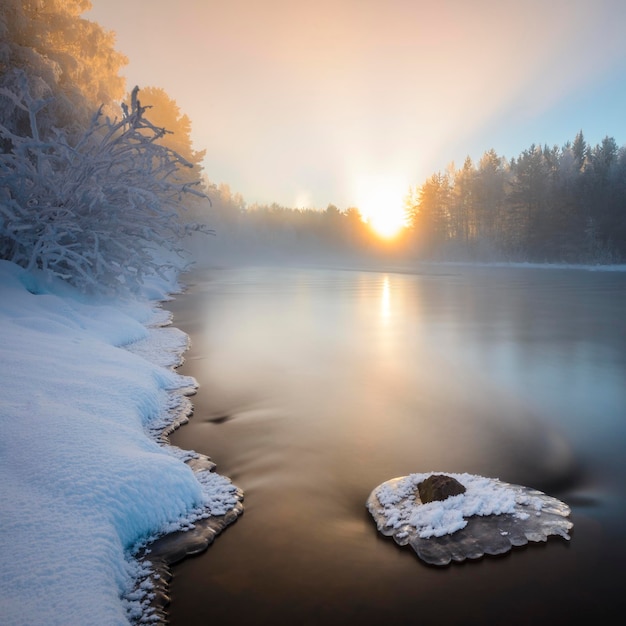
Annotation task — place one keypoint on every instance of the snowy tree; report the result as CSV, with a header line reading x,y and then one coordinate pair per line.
x,y
93,212
165,113
70,59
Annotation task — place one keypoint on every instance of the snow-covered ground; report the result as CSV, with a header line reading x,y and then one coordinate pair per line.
x,y
84,384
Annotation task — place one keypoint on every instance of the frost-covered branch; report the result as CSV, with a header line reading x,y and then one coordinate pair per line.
x,y
94,213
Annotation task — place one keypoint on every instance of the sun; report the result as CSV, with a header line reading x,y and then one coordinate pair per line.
x,y
387,225
381,203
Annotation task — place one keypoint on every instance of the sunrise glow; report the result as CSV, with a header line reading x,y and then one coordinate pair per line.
x,y
381,202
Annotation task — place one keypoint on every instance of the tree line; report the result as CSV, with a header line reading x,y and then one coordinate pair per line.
x,y
549,204
281,233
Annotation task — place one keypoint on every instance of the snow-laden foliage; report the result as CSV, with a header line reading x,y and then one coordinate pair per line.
x,y
96,213
63,54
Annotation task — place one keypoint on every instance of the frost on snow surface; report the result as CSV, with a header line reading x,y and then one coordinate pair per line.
x,y
84,481
489,518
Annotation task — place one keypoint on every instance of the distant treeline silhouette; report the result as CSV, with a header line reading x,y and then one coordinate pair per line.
x,y
560,205
550,204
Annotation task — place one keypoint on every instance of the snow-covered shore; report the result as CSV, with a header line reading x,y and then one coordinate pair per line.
x,y
86,386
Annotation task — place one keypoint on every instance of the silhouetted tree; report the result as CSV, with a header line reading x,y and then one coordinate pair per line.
x,y
548,204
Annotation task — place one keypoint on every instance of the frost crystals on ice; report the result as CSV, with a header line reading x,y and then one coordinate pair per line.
x,y
490,517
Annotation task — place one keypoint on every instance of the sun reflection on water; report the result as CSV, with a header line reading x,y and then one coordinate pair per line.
x,y
385,301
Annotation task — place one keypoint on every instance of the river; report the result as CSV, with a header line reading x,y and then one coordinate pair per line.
x,y
317,385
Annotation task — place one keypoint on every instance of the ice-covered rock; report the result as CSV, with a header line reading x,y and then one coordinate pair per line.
x,y
490,517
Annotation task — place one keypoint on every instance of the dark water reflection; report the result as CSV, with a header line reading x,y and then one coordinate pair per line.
x,y
318,385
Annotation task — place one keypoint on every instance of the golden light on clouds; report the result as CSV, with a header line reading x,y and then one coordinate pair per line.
x,y
284,95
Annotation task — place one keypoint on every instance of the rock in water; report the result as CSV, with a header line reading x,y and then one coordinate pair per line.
x,y
439,487
488,517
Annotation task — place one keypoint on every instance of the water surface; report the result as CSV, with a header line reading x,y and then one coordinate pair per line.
x,y
317,385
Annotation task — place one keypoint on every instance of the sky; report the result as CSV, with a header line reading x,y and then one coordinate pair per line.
x,y
351,102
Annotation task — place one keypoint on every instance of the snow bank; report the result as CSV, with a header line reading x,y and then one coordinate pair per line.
x,y
81,481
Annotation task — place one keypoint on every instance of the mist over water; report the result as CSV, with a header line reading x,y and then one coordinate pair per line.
x,y
317,385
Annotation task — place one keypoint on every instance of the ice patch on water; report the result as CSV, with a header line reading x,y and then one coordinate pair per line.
x,y
489,518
